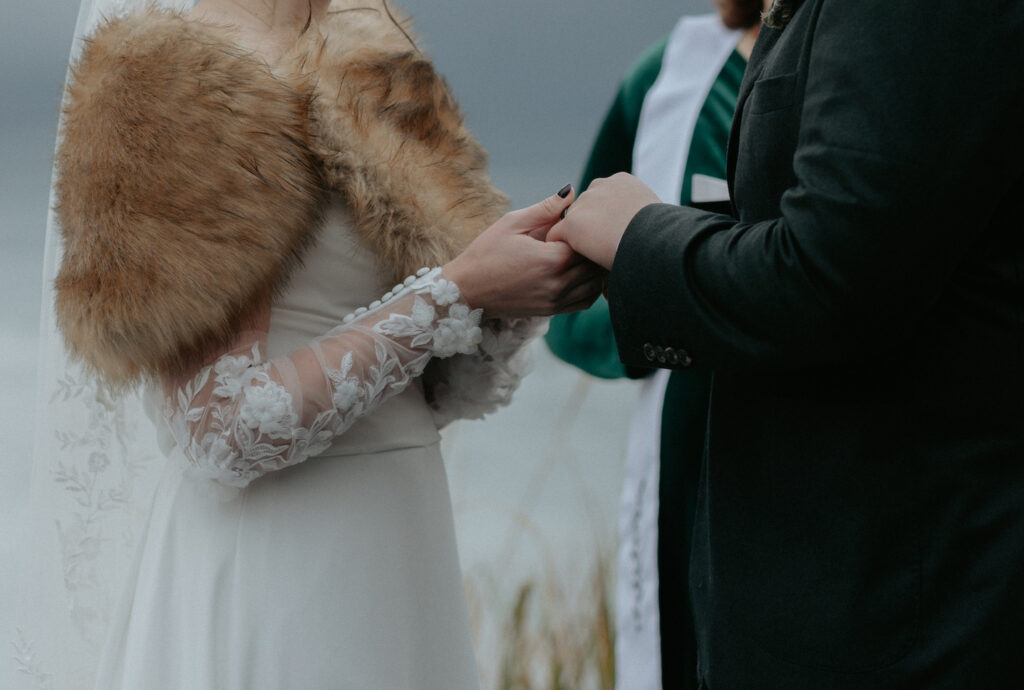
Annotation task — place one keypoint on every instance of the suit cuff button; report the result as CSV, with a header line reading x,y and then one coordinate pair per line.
x,y
672,356
684,358
649,353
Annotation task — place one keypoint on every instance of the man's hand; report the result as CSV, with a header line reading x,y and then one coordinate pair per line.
x,y
595,223
510,270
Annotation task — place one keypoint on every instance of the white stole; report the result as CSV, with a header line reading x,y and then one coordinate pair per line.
x,y
696,52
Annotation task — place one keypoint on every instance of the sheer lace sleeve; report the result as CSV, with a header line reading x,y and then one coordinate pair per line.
x,y
469,386
244,416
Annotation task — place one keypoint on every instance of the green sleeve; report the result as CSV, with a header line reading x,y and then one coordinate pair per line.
x,y
585,339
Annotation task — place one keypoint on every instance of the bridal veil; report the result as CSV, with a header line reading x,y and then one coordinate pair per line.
x,y
94,469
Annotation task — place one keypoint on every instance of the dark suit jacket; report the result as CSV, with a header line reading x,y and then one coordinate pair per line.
x,y
861,510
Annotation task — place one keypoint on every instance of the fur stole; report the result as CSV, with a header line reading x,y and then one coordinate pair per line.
x,y
191,177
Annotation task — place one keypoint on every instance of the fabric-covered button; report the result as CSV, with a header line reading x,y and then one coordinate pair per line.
x,y
649,352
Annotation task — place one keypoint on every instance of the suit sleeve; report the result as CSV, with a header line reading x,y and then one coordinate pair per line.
x,y
907,134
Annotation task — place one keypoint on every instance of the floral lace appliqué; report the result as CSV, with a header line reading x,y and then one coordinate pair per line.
x,y
242,416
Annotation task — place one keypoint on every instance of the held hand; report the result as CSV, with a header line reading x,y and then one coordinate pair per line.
x,y
510,270
595,223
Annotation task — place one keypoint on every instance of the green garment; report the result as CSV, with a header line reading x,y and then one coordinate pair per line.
x,y
585,340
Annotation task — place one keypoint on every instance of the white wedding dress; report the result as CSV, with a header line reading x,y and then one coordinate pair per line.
x,y
291,527
339,572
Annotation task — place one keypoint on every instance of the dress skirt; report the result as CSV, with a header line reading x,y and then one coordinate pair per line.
x,y
338,573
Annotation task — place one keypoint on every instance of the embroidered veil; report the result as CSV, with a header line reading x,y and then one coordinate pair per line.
x,y
93,473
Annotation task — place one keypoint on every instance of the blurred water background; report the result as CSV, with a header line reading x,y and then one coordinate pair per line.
x,y
535,487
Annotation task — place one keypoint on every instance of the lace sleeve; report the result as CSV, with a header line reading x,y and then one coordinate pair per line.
x,y
242,417
469,386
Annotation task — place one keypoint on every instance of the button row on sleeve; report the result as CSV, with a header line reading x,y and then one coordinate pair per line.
x,y
666,355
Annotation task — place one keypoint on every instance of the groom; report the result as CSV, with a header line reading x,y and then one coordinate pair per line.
x,y
860,520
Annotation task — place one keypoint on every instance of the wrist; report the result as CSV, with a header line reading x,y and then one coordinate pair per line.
x,y
459,273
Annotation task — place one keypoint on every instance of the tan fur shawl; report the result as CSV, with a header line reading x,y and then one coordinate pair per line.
x,y
191,178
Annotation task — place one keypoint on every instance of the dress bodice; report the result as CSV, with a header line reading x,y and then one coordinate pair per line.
x,y
338,275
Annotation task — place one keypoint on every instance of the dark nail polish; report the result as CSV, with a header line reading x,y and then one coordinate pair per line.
x,y
564,191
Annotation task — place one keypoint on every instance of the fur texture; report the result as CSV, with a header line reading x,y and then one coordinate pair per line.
x,y
192,178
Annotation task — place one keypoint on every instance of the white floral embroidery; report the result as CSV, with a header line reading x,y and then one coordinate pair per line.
x,y
251,423
417,326
346,388
445,292
267,408
98,462
98,469
459,333
230,372
28,664
219,451
470,386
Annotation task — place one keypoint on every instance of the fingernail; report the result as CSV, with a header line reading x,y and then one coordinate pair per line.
x,y
564,191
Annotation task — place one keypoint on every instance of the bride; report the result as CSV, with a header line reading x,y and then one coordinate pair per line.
x,y
237,187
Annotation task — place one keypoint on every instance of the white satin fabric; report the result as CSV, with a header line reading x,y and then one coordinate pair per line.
x,y
341,572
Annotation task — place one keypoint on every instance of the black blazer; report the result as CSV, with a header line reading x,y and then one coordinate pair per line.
x,y
861,512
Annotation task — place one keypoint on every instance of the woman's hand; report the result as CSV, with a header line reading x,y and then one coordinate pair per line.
x,y
510,270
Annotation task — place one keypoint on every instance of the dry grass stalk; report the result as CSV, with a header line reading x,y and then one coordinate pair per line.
x,y
548,638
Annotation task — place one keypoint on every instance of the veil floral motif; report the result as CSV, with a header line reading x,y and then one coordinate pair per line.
x,y
93,472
